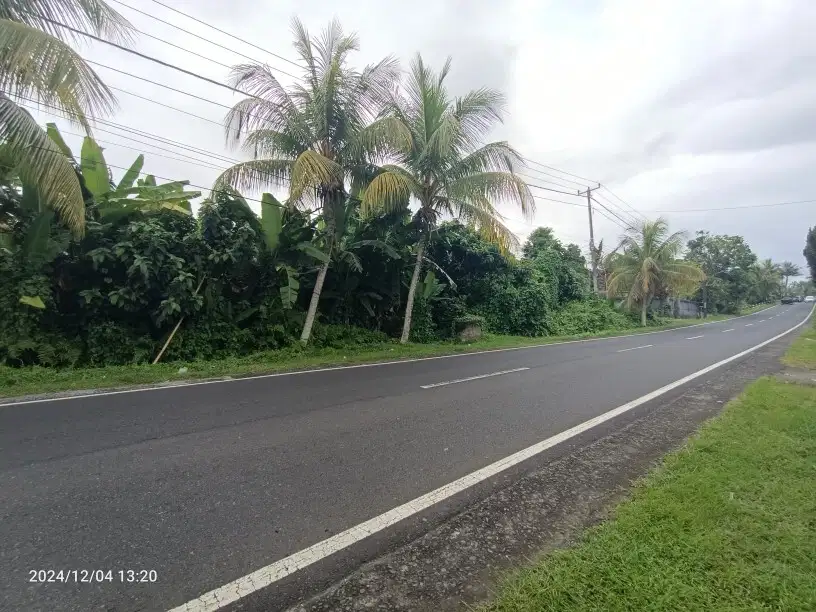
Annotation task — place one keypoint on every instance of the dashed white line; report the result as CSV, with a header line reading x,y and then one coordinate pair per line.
x,y
748,324
762,321
461,380
239,588
695,337
634,348
727,330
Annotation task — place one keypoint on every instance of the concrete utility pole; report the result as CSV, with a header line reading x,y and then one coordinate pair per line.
x,y
593,253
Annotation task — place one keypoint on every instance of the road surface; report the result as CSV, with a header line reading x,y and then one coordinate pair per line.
x,y
207,483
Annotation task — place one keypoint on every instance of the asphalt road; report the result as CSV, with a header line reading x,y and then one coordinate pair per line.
x,y
206,483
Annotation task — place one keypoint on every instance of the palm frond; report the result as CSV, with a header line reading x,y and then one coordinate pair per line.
x,y
273,143
380,139
488,222
255,175
389,191
38,65
311,170
478,112
493,187
94,16
492,157
40,162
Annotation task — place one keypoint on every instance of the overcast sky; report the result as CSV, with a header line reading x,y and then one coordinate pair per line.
x,y
673,105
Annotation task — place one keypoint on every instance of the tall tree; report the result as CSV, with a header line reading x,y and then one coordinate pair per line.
x,y
727,262
319,137
788,269
648,263
810,252
768,280
38,65
447,169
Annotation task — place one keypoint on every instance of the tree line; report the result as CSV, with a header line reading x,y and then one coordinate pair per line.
x,y
389,228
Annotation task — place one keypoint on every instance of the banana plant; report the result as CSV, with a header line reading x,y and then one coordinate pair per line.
x,y
130,193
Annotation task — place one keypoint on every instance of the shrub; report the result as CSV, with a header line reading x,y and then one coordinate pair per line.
x,y
341,336
110,343
589,316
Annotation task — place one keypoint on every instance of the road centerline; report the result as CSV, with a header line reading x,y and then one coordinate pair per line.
x,y
469,378
725,331
634,348
748,324
695,337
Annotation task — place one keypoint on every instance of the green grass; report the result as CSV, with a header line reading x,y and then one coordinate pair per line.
x,y
726,523
15,382
802,353
755,308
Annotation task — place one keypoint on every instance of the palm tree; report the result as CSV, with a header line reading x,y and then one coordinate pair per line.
x,y
768,278
319,137
37,64
648,262
447,169
788,269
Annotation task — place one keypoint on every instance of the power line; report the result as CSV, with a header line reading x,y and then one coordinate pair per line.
x,y
569,182
212,42
145,56
688,210
627,222
559,201
569,193
625,203
586,180
246,42
608,218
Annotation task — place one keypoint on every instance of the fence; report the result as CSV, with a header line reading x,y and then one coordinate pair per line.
x,y
675,307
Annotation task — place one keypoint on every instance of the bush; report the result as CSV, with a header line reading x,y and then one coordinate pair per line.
x,y
589,316
341,336
110,343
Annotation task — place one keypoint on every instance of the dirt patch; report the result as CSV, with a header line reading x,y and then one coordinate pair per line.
x,y
460,561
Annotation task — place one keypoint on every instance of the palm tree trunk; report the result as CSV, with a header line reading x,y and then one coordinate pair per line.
x,y
409,306
312,312
643,309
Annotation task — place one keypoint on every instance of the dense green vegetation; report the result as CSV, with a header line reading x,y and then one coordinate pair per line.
x,y
389,227
725,523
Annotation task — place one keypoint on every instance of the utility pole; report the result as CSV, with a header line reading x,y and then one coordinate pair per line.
x,y
593,253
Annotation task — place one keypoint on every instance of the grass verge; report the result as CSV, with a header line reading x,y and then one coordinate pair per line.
x,y
802,353
16,382
726,523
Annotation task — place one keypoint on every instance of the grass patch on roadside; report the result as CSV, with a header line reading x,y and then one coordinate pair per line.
x,y
802,353
725,523
16,382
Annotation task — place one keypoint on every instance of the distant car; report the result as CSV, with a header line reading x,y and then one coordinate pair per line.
x,y
798,298
810,298
788,299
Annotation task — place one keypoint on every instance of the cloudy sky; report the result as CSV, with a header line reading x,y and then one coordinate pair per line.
x,y
675,106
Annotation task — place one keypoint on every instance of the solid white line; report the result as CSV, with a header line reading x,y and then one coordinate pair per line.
x,y
461,380
695,337
182,385
634,348
727,330
259,579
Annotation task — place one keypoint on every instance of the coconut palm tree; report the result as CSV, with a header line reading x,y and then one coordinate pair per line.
x,y
768,280
788,269
319,137
648,262
38,65
447,169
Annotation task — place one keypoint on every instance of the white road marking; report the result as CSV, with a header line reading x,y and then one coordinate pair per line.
x,y
695,337
727,330
748,324
634,348
762,321
261,578
461,380
184,384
